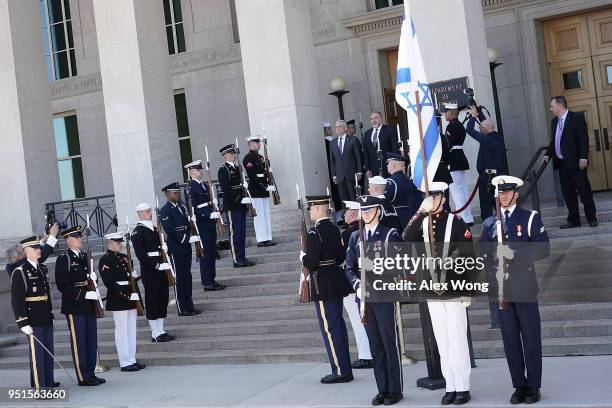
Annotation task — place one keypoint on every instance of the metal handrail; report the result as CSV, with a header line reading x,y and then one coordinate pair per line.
x,y
532,177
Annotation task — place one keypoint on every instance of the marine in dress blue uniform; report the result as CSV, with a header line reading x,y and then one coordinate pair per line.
x,y
388,215
526,241
207,227
78,305
382,327
234,203
175,222
323,256
401,191
31,302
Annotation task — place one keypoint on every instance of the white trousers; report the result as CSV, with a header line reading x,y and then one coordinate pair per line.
x,y
125,336
262,223
449,321
361,337
157,327
460,194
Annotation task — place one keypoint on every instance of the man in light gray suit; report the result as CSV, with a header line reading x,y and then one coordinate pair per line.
x,y
345,161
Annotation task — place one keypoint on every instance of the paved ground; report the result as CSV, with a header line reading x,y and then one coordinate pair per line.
x,y
568,382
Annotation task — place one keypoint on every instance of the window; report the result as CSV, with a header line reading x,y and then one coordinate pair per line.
x,y
378,4
609,73
572,80
175,34
58,41
182,124
69,163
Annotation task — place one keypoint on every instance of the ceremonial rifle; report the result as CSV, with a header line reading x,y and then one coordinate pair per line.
x,y
363,312
501,265
170,274
211,194
271,181
332,209
403,150
194,226
304,290
246,192
91,284
131,279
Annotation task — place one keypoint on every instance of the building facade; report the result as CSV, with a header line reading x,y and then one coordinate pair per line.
x,y
111,97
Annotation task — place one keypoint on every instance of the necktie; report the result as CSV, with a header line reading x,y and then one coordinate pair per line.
x,y
341,145
375,138
369,235
558,139
506,219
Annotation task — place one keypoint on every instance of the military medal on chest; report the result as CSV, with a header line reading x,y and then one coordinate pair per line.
x,y
519,229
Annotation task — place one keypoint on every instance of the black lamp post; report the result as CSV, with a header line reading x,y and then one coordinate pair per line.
x,y
492,65
338,86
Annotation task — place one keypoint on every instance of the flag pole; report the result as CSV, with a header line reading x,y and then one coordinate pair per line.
x,y
424,165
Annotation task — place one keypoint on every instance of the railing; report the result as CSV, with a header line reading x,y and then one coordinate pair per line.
x,y
532,177
101,210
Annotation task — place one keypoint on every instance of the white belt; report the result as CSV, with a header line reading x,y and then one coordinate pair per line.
x,y
123,283
156,253
203,205
260,175
457,148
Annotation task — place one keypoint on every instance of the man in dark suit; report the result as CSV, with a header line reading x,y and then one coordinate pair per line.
x,y
569,148
383,136
345,161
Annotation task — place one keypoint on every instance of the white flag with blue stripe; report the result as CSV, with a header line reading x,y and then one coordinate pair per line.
x,y
411,78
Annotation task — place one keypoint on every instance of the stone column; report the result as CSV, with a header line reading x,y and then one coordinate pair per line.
x,y
282,91
138,101
29,175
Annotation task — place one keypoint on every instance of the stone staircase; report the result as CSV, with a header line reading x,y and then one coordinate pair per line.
x,y
258,318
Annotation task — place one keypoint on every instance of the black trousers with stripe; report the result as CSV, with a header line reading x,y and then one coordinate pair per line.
x,y
183,288
237,234
41,363
208,270
335,335
84,344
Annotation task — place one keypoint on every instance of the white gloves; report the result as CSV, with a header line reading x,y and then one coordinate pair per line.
x,y
134,296
302,255
245,184
164,266
358,289
214,215
271,188
215,202
135,274
505,251
165,248
192,218
27,330
465,301
426,205
194,238
245,200
91,295
93,276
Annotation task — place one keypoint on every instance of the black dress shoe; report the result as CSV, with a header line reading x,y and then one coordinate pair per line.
x,y
361,363
462,398
569,225
245,264
55,384
210,288
262,244
518,397
532,395
271,243
131,368
194,312
335,379
167,336
89,383
99,380
140,365
159,339
448,398
219,286
393,398
593,224
379,399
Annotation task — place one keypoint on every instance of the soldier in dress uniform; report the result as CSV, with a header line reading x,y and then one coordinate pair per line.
x,y
458,163
323,257
146,244
78,304
446,307
401,191
526,241
16,256
234,203
175,222
120,300
388,217
206,220
31,301
364,356
255,167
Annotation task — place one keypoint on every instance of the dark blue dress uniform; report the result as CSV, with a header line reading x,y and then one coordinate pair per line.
x,y
382,327
31,301
233,193
402,194
71,274
202,206
175,222
520,320
324,255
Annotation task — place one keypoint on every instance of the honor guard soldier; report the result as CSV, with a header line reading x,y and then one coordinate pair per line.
x,y
401,191
323,257
255,167
175,222
388,216
458,163
15,255
234,203
120,299
31,301
364,356
525,241
206,222
446,307
78,304
382,327
147,246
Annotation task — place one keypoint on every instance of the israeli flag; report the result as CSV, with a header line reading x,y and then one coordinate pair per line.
x,y
411,78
